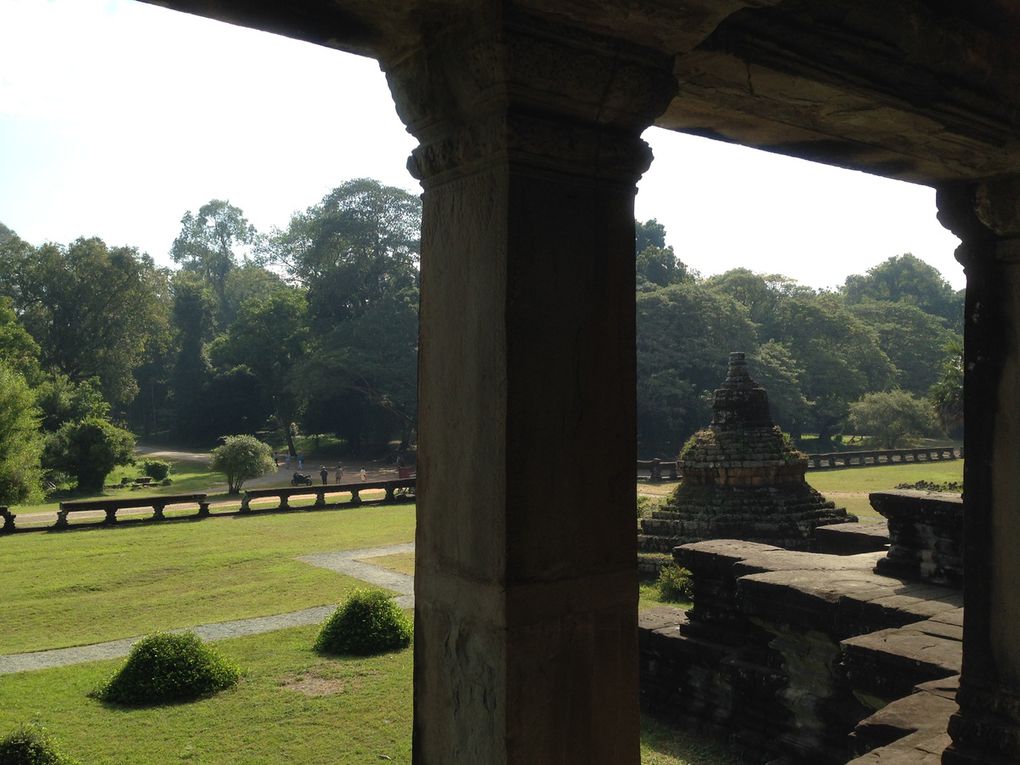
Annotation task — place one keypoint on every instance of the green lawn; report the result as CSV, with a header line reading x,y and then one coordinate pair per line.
x,y
291,706
884,477
64,589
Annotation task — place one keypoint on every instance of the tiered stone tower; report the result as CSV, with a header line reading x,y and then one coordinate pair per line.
x,y
740,479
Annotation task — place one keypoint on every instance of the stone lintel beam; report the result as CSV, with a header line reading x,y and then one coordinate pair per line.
x,y
900,89
525,580
986,216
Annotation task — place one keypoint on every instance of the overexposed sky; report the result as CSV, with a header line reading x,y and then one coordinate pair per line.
x,y
116,117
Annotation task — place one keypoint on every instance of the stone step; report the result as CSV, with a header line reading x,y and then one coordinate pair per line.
x,y
888,664
910,730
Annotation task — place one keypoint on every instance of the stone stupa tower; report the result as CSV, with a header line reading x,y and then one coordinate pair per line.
x,y
740,479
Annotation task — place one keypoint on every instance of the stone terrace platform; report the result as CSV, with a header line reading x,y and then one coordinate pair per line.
x,y
791,650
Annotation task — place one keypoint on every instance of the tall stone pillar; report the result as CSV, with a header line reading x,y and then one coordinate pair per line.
x,y
525,580
986,216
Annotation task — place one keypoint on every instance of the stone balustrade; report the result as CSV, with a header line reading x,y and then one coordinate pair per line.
x,y
830,460
113,505
285,493
656,468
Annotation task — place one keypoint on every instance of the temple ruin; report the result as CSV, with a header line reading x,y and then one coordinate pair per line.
x,y
740,479
529,119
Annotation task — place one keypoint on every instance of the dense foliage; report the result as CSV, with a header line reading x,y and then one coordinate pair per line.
x,y
165,668
313,329
368,622
816,352
29,745
20,440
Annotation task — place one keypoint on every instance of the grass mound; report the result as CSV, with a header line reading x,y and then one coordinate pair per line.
x,y
166,668
28,745
368,622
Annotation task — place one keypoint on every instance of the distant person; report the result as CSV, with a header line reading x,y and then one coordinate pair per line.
x,y
364,475
301,462
324,475
339,474
276,459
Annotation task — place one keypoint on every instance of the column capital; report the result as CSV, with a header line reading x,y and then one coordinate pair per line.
x,y
514,89
985,214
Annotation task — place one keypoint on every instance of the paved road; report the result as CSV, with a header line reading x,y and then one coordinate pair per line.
x,y
350,562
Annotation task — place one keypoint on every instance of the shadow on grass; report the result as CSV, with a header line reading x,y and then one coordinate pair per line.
x,y
665,744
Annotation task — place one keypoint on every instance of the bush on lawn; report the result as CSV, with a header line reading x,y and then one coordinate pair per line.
x,y
675,584
156,469
29,745
166,667
368,622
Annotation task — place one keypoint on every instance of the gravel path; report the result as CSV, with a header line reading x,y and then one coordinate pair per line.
x,y
350,562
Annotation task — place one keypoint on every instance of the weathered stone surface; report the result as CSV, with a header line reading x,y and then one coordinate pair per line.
x,y
925,535
761,652
851,538
740,479
909,730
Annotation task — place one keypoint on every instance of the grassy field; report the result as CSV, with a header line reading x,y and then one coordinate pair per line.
x,y
291,706
64,589
850,487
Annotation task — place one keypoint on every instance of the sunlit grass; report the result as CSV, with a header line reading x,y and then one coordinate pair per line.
x,y
72,588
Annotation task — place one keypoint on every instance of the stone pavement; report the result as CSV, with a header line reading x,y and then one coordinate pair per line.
x,y
350,562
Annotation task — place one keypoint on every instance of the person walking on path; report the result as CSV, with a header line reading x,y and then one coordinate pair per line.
x,y
339,474
324,474
364,475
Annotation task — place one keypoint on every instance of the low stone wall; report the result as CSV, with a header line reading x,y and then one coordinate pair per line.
x,y
925,536
872,457
761,652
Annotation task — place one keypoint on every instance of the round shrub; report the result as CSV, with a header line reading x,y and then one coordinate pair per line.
x,y
168,667
368,622
675,584
28,745
156,469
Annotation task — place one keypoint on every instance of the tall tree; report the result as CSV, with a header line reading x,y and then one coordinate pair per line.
x,y
213,241
656,264
905,278
193,311
270,338
20,442
912,339
946,394
90,308
356,252
841,357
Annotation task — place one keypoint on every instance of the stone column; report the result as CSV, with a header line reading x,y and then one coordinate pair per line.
x,y
986,216
525,578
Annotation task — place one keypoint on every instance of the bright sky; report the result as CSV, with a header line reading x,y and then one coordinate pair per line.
x,y
116,117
